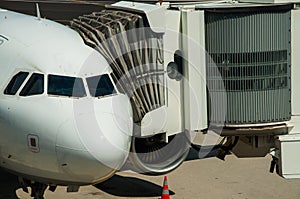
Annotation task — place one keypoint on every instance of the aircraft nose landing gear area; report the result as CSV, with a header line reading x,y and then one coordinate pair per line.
x,y
37,190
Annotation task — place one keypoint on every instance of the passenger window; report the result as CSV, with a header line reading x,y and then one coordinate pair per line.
x,y
65,86
15,83
100,85
34,86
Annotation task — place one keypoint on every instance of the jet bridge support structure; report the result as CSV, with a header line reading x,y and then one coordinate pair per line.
x,y
226,70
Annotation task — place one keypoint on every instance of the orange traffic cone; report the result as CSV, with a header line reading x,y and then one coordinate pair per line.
x,y
165,192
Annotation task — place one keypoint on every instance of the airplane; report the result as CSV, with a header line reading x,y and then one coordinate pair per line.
x,y
52,133
72,115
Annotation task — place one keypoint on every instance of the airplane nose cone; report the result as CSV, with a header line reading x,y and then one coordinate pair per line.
x,y
104,130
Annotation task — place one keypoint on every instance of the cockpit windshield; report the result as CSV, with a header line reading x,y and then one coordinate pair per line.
x,y
100,85
65,86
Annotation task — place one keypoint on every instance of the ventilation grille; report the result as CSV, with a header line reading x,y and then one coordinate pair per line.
x,y
249,66
134,52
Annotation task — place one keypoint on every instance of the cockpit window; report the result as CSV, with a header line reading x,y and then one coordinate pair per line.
x,y
15,83
100,85
65,86
34,86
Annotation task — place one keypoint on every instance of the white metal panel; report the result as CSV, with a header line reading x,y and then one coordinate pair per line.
x,y
173,92
295,62
289,159
169,118
195,103
269,1
295,123
155,13
154,122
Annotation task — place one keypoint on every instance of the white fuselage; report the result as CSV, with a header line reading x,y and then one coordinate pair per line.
x,y
52,138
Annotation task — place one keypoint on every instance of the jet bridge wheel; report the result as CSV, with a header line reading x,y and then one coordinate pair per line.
x,y
154,156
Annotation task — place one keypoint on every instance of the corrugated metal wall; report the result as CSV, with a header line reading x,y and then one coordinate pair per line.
x,y
250,63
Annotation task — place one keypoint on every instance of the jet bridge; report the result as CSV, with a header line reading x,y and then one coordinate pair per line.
x,y
222,68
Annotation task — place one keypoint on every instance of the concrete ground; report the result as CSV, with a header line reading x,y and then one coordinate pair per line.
x,y
206,178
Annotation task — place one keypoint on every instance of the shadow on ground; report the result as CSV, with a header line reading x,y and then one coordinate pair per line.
x,y
201,152
130,187
117,185
8,183
133,187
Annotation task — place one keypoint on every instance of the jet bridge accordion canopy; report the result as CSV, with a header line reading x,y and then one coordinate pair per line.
x,y
134,52
251,50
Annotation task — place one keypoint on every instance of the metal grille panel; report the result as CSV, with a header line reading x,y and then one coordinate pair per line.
x,y
251,54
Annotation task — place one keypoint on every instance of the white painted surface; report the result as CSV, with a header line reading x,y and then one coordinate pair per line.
x,y
295,62
155,13
289,158
195,103
154,122
269,1
172,39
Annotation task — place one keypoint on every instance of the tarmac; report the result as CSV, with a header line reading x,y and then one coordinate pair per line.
x,y
206,178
